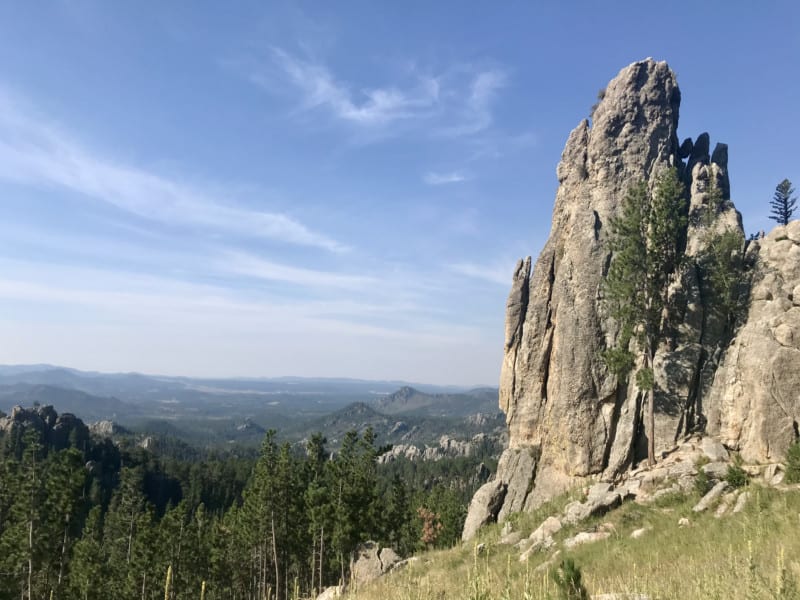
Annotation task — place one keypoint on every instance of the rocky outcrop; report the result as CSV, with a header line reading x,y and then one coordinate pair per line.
x,y
54,431
560,400
754,402
107,429
562,404
448,447
371,561
483,508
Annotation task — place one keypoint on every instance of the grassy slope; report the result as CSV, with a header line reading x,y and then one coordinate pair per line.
x,y
743,556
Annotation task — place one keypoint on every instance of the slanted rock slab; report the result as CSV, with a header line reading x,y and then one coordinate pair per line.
x,y
483,508
741,502
711,497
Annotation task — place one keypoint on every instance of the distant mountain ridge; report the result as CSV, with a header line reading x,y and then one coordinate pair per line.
x,y
68,400
409,400
216,412
131,383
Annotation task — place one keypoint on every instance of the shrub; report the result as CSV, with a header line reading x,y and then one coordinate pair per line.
x,y
567,578
792,474
702,483
736,476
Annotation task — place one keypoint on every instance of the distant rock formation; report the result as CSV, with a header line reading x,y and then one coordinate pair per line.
x,y
569,418
55,431
107,429
447,447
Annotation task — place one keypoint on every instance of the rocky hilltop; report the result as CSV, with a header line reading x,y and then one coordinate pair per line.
x,y
569,418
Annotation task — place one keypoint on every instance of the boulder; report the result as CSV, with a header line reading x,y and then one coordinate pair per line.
x,y
600,499
711,497
542,536
773,474
741,502
586,537
549,563
483,508
716,470
517,468
370,561
549,526
714,450
724,504
329,593
510,538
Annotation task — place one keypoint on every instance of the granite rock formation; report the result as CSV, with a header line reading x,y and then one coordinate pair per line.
x,y
569,418
754,403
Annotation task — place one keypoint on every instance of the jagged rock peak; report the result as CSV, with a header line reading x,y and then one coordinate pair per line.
x,y
568,417
633,127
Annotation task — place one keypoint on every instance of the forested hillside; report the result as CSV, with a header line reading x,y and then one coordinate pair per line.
x,y
83,517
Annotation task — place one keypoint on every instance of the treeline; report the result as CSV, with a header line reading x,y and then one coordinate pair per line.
x,y
103,521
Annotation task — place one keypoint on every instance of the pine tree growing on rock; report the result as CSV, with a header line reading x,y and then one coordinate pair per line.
x,y
645,245
783,203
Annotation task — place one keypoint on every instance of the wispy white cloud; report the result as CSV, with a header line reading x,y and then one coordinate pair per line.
x,y
497,273
476,114
455,102
251,266
35,152
433,178
368,106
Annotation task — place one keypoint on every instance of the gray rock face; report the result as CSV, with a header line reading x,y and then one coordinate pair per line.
x,y
557,394
600,499
483,508
371,561
53,430
739,384
559,399
754,402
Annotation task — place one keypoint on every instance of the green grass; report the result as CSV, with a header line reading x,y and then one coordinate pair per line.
x,y
748,556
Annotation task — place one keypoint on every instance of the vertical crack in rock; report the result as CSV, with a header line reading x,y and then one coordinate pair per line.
x,y
548,343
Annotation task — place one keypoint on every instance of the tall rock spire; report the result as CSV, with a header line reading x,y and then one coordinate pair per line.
x,y
569,418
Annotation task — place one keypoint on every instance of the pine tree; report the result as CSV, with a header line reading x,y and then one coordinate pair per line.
x,y
88,572
783,203
317,497
646,253
126,537
64,478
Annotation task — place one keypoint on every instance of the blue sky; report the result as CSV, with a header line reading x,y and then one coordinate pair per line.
x,y
331,188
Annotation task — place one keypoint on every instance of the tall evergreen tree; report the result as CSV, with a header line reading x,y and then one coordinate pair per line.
x,y
783,203
646,253
89,568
